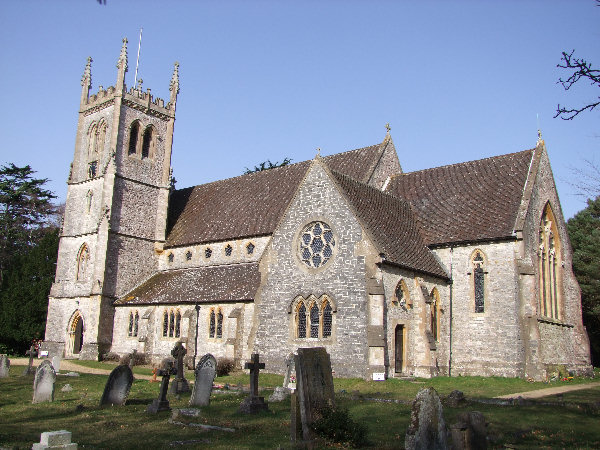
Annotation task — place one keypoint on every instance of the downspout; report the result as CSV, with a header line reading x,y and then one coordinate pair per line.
x,y
196,338
451,284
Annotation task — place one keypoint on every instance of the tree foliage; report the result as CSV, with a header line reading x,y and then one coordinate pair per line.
x,y
24,295
25,209
584,233
266,165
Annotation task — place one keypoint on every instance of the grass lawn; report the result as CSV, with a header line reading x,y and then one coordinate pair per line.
x,y
129,426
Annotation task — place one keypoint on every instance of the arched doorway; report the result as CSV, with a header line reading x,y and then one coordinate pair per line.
x,y
75,341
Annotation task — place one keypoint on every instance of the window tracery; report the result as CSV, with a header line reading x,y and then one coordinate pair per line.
x,y
316,244
549,254
215,325
172,323
83,259
313,318
478,276
401,294
134,319
250,248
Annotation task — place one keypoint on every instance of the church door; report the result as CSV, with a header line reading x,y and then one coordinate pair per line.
x,y
399,347
78,337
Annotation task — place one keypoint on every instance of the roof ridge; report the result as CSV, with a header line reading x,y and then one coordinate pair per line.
x,y
389,194
464,162
353,150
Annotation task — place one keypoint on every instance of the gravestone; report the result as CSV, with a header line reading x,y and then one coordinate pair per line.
x,y
289,381
314,388
43,384
66,388
4,366
253,403
161,403
56,363
32,352
180,385
118,386
427,429
132,359
469,432
55,440
204,375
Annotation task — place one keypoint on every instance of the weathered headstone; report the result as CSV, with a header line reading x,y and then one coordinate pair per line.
x,y
427,429
469,432
56,363
118,386
55,440
314,387
253,403
66,388
43,384
132,359
204,376
289,381
161,403
32,352
180,385
4,366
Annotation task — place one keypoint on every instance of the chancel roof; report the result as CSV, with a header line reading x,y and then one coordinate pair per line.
x,y
224,283
391,224
251,204
466,202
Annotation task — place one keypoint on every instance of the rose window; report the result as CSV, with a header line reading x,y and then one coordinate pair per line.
x,y
316,244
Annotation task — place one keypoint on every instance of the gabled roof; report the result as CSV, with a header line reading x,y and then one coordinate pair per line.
x,y
466,202
390,223
211,284
252,204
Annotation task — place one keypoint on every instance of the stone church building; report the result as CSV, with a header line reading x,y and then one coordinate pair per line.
x,y
462,269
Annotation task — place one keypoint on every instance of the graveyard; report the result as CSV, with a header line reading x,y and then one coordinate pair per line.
x,y
114,411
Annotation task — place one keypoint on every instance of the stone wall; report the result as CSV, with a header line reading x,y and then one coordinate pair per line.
x,y
343,279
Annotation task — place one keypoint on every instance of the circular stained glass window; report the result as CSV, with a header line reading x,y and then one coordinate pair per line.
x,y
316,244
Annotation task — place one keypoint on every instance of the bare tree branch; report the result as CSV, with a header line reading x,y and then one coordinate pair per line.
x,y
582,69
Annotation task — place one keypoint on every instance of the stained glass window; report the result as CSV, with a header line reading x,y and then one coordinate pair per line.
x,y
165,324
549,252
250,248
228,250
478,282
207,252
327,320
302,321
188,255
314,321
219,324
316,244
211,329
171,323
177,324
136,323
130,332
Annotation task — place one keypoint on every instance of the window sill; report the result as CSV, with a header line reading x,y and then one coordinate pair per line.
x,y
554,322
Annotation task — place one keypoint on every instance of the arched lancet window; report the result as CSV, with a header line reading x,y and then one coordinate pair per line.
x,y
101,137
134,132
401,294
314,322
177,324
165,324
171,323
83,259
92,138
148,143
130,330
136,323
219,323
301,321
134,319
435,314
478,275
211,326
549,256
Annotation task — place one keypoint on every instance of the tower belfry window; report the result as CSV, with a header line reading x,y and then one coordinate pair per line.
x,y
147,143
133,137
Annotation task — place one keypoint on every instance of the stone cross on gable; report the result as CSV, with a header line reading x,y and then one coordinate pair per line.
x,y
254,367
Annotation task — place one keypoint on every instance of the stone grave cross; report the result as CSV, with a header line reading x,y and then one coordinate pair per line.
x,y
161,403
180,384
32,352
253,403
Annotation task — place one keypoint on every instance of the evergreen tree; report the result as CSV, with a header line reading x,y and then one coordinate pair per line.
x,y
584,233
25,207
24,295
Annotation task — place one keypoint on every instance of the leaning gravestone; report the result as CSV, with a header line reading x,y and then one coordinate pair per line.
x,y
204,375
4,366
43,384
118,386
469,432
427,429
315,388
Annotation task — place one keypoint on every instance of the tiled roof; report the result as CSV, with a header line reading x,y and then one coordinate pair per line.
x,y
211,284
357,164
252,204
391,225
471,201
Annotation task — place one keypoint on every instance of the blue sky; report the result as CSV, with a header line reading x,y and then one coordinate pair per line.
x,y
457,80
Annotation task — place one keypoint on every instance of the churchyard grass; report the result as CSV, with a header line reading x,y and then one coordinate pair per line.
x,y
22,422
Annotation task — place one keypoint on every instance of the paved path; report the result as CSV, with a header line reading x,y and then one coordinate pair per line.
x,y
551,391
68,366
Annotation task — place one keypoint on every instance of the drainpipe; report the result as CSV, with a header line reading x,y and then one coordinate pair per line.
x,y
451,284
196,338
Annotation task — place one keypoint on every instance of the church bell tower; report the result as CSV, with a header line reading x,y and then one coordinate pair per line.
x,y
116,209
